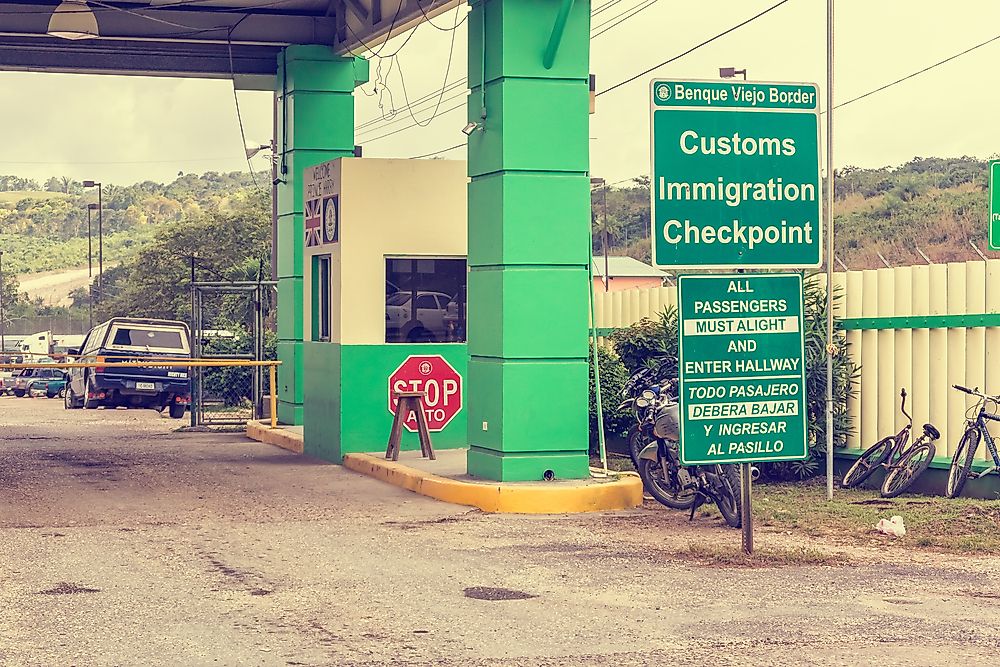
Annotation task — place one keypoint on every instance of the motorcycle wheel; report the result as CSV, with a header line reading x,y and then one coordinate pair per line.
x,y
727,494
665,491
636,443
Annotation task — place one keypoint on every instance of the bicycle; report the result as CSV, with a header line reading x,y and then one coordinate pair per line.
x,y
961,462
903,464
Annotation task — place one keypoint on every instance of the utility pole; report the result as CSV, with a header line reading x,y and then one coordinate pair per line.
x,y
830,349
3,327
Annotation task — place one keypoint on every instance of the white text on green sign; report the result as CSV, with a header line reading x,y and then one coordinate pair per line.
x,y
742,372
994,225
735,175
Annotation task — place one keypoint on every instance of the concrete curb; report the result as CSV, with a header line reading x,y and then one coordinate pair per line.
x,y
275,436
516,497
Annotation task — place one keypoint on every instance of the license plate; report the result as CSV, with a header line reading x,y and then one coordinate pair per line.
x,y
145,385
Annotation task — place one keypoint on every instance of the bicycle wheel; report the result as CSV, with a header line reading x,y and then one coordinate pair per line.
x,y
868,463
961,462
902,475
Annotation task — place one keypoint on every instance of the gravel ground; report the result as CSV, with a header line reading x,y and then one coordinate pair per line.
x,y
123,543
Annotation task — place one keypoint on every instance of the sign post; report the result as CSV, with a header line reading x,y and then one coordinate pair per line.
x,y
735,175
742,377
994,228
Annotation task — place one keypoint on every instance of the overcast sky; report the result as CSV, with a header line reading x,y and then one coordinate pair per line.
x,y
126,129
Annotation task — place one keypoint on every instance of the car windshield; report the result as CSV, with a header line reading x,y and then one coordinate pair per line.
x,y
143,338
398,299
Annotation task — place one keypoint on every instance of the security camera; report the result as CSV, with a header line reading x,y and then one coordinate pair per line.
x,y
469,129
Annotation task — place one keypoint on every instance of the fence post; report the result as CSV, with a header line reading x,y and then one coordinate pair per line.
x,y
852,309
956,357
887,389
938,353
920,342
902,339
975,338
869,360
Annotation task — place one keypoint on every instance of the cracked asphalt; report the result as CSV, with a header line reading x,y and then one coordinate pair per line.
x,y
124,543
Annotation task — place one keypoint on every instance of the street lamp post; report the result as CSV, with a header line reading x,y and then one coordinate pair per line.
x,y
3,327
100,236
90,265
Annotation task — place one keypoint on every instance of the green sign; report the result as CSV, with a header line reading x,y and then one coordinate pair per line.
x,y
735,175
995,205
742,375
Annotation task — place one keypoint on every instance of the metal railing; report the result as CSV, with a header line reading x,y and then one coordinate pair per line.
x,y
171,362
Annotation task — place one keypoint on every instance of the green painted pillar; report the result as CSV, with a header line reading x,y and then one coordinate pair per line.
x,y
315,121
529,240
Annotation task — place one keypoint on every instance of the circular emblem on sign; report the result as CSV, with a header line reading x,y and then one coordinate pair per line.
x,y
425,368
663,91
330,221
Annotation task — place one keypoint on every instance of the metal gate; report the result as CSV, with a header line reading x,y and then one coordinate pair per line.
x,y
228,324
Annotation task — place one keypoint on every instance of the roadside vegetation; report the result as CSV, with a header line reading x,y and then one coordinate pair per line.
x,y
961,525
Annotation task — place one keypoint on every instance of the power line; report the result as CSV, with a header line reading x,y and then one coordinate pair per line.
x,y
917,73
443,150
621,18
387,118
692,49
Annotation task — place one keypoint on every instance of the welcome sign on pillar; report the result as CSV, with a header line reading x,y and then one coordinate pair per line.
x,y
735,175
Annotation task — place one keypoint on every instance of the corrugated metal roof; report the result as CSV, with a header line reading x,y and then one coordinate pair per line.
x,y
626,267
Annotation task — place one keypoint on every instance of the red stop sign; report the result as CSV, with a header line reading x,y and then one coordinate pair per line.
x,y
441,384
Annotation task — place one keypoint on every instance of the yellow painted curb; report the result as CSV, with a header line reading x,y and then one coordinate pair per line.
x,y
278,437
518,498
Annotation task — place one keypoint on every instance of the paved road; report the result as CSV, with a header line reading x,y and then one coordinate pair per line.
x,y
122,543
54,286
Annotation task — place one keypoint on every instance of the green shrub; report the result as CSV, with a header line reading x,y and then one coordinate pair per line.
x,y
613,378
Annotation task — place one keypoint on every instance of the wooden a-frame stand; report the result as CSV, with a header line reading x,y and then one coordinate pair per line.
x,y
406,401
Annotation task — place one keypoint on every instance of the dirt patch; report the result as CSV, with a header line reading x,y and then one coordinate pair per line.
x,y
492,594
66,588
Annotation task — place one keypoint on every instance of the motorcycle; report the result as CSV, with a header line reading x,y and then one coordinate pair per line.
x,y
642,388
683,487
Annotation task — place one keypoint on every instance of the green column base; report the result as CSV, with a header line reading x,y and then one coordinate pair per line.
x,y
289,413
529,467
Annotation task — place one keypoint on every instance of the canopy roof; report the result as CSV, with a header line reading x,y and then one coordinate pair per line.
x,y
202,38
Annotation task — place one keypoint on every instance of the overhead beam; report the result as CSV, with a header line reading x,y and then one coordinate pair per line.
x,y
253,67
187,25
388,18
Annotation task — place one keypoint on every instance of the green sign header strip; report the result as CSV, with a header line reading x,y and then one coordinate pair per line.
x,y
735,95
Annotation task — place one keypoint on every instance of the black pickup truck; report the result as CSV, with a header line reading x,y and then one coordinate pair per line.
x,y
141,342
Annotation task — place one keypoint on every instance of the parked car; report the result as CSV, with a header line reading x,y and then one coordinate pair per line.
x,y
31,376
56,388
129,340
427,326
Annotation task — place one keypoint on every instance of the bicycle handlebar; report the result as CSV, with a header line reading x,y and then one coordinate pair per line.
x,y
976,392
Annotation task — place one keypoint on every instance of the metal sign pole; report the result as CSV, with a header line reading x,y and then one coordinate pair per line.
x,y
746,509
830,349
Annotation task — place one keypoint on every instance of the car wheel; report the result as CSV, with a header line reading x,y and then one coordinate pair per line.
x,y
19,393
90,403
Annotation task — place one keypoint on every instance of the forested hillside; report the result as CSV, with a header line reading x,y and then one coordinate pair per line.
x,y
930,205
46,229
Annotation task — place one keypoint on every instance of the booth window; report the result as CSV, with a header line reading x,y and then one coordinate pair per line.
x,y
425,300
321,298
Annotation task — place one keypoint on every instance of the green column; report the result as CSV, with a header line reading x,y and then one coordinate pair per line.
x,y
529,241
315,123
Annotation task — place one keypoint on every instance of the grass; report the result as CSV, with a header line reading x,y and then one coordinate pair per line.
x,y
726,556
616,463
959,526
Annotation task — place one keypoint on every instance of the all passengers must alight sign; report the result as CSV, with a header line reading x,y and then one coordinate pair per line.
x,y
735,175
